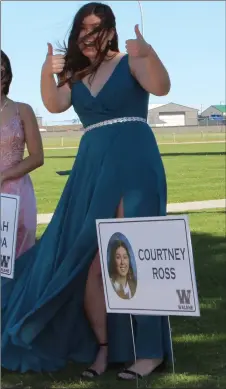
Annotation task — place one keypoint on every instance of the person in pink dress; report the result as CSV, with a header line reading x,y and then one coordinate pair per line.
x,y
19,127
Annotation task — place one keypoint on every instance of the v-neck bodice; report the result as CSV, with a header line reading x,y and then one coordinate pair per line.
x,y
121,96
107,80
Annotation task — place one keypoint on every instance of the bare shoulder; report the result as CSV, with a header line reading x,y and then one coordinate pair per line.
x,y
121,56
25,109
28,117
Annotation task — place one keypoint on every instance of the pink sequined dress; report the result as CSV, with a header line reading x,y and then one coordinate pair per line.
x,y
12,141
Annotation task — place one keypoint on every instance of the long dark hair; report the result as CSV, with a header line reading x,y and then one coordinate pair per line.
x,y
77,65
6,73
112,263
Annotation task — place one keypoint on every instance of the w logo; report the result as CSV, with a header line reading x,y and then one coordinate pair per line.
x,y
184,296
5,261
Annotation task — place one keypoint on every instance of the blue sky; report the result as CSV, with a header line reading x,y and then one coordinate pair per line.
x,y
189,37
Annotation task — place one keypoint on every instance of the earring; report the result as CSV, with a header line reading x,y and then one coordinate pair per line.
x,y
109,43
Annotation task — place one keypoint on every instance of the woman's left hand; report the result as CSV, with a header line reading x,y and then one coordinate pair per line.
x,y
137,47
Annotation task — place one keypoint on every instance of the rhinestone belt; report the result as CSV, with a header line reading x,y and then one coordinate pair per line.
x,y
113,121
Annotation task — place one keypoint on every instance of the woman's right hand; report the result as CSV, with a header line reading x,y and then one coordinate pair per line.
x,y
56,99
54,64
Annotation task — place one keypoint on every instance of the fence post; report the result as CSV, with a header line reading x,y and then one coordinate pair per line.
x,y
62,142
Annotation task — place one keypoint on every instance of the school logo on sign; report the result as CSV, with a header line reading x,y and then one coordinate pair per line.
x,y
184,297
5,261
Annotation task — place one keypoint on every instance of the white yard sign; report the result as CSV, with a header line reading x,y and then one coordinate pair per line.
x,y
8,237
147,266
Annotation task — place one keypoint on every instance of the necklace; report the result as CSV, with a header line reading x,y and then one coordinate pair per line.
x,y
3,106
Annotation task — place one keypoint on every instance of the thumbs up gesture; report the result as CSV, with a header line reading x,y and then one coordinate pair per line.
x,y
137,47
54,64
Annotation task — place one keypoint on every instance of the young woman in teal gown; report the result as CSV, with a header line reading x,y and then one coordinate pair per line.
x,y
54,310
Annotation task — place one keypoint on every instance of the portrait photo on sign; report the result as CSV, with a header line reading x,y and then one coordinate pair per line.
x,y
122,266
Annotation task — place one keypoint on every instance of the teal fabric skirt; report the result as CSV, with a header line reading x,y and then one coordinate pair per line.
x,y
43,320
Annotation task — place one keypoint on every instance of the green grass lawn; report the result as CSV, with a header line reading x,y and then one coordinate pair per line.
x,y
194,172
72,140
199,343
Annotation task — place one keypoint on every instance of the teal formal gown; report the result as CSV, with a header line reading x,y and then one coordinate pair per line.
x,y
43,320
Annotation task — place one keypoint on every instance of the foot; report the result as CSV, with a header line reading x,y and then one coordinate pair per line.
x,y
100,364
140,369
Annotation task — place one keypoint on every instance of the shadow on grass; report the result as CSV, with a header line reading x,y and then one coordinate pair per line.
x,y
214,211
200,154
199,343
59,156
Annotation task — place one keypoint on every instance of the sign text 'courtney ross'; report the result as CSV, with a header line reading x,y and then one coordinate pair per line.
x,y
164,254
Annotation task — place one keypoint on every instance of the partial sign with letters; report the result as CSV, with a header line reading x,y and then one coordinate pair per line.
x,y
147,266
8,229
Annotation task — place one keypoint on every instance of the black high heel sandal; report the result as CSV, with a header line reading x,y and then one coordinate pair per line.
x,y
91,373
132,375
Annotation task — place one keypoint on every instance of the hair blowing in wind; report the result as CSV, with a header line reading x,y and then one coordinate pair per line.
x,y
77,65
